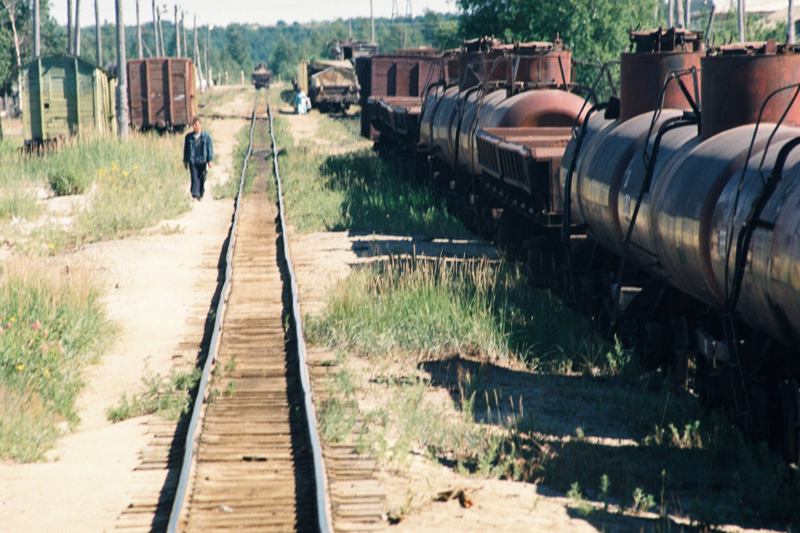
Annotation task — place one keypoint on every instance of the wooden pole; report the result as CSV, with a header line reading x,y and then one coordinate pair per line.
x,y
122,76
791,36
37,29
742,27
139,31
70,49
177,35
183,33
77,27
372,20
98,40
155,29
670,14
208,57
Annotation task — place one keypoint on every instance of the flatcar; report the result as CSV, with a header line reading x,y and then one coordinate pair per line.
x,y
64,96
262,76
161,93
674,218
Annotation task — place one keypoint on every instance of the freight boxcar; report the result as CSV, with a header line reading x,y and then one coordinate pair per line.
x,y
161,93
64,96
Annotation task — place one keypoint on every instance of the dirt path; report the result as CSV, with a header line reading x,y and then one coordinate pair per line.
x,y
159,290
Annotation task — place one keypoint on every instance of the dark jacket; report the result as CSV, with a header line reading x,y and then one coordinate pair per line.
x,y
200,150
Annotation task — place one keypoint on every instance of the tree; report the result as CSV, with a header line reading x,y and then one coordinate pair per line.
x,y
593,29
237,46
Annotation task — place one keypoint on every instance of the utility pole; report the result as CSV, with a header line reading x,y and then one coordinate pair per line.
x,y
155,29
679,4
183,33
198,67
687,14
70,49
208,57
139,31
161,34
790,39
350,29
177,35
98,41
670,14
77,27
122,76
37,29
372,21
742,27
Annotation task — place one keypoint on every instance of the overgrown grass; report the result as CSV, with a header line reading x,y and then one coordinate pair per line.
x,y
405,315
52,324
352,191
431,306
129,185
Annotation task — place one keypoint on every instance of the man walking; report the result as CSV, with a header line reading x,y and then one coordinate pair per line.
x,y
198,151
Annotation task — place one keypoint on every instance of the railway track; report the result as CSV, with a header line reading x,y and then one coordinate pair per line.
x,y
252,459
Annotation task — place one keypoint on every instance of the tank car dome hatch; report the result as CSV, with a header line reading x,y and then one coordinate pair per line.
x,y
740,77
644,71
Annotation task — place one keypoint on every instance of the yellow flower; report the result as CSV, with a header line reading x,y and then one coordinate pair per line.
x,y
51,246
125,174
46,371
20,367
12,319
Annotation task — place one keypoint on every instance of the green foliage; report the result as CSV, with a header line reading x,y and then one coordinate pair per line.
x,y
169,399
436,305
66,181
52,324
593,29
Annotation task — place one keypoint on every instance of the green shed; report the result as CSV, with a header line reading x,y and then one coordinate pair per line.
x,y
64,96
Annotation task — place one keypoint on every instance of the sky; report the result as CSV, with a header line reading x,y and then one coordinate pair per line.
x,y
264,12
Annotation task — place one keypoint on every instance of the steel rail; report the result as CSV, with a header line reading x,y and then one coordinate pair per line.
x,y
316,447
191,435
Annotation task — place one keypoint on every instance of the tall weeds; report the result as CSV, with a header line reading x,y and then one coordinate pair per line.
x,y
52,324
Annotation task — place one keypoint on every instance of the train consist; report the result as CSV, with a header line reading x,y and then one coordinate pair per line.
x,y
670,209
261,76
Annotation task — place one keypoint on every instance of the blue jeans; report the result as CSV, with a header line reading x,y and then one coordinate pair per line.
x,y
198,171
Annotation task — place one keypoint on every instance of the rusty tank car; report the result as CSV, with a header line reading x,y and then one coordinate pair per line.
x,y
671,209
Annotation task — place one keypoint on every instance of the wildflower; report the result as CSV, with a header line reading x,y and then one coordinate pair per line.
x,y
60,346
12,319
51,245
46,371
20,367
125,174
36,325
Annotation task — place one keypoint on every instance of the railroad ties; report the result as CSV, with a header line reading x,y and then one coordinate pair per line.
x,y
254,470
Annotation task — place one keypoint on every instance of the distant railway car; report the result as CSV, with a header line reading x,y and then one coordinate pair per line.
x,y
332,85
262,76
64,96
161,93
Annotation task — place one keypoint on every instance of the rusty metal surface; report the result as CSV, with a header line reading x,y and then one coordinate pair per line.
x,y
642,77
673,148
527,159
161,92
682,220
599,178
545,108
740,85
769,295
549,68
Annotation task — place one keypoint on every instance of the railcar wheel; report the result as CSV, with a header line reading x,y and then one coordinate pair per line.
x,y
790,421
